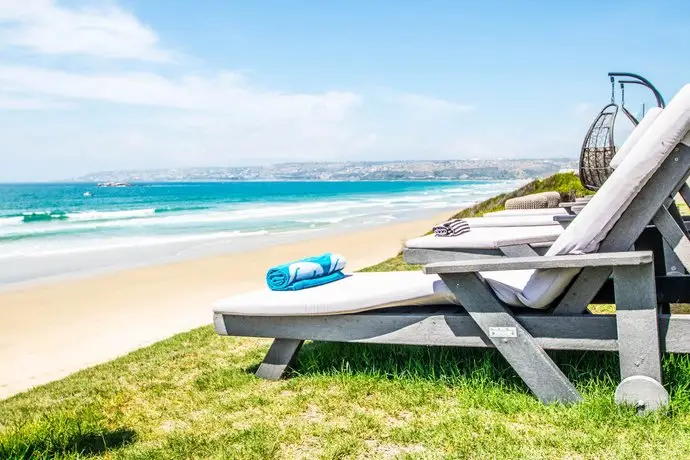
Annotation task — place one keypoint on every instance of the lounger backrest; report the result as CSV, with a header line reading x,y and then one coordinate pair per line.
x,y
635,136
590,227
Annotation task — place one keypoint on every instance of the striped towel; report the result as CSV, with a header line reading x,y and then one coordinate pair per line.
x,y
453,227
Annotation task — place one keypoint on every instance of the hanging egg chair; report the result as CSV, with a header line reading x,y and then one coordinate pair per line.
x,y
598,149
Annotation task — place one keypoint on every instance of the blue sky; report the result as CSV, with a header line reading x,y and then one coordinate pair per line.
x,y
96,85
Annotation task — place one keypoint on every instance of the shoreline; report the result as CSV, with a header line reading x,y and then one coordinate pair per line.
x,y
58,327
162,225
162,255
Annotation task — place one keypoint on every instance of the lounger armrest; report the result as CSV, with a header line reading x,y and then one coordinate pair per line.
x,y
564,221
610,259
568,206
564,218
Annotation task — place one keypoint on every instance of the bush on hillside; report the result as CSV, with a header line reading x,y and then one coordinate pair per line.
x,y
567,184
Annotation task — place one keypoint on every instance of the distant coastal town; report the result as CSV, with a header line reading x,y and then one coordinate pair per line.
x,y
349,171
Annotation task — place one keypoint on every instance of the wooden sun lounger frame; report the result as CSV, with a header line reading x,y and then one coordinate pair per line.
x,y
638,331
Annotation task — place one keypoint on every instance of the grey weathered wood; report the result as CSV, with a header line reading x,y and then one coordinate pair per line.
x,y
678,217
636,318
423,256
685,193
561,218
456,329
520,250
665,182
541,262
673,235
582,291
674,266
278,358
511,339
674,331
565,220
568,206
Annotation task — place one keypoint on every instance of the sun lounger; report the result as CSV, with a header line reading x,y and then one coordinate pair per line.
x,y
573,207
517,241
557,288
484,242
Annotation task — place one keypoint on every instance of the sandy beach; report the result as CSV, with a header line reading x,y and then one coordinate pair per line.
x,y
51,330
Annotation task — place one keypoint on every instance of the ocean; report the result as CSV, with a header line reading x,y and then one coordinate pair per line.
x,y
49,230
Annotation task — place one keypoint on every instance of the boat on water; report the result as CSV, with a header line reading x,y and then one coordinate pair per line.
x,y
114,184
86,194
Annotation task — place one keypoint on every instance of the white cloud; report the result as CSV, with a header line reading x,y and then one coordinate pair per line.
x,y
86,120
27,103
45,27
225,92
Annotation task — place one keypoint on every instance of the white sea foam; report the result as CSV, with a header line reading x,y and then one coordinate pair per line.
x,y
9,221
112,237
106,244
324,211
110,215
124,228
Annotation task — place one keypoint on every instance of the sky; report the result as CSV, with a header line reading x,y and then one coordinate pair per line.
x,y
97,85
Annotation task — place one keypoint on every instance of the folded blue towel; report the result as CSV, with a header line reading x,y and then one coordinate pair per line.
x,y
306,273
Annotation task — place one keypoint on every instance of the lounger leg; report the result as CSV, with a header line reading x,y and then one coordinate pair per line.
x,y
673,235
674,265
278,358
517,345
638,338
678,217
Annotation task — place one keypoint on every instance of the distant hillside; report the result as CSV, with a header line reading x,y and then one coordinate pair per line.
x,y
350,171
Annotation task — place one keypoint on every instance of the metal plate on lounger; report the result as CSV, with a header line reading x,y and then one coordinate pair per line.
x,y
502,332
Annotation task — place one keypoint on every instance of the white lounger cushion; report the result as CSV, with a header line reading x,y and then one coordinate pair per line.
x,y
523,220
635,136
527,212
358,292
488,238
591,226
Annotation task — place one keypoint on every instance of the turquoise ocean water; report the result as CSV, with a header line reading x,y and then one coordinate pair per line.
x,y
58,229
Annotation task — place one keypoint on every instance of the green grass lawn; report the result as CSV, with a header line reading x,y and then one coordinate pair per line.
x,y
195,396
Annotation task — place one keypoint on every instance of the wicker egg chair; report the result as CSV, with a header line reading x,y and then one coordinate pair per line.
x,y
598,149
